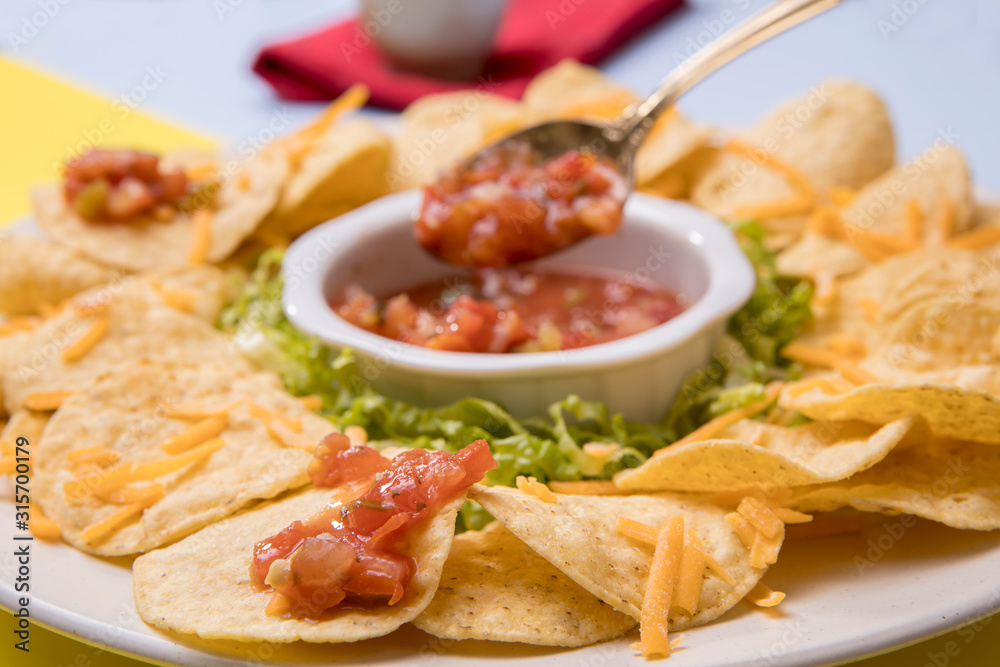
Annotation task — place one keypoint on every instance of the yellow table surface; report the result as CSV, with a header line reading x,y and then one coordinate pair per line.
x,y
961,648
44,120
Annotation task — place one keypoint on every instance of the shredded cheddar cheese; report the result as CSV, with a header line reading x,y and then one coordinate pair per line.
x,y
302,142
742,528
105,482
312,403
42,526
914,222
85,343
178,299
841,196
46,401
201,237
586,488
98,455
854,373
113,521
871,310
17,324
759,516
981,237
8,465
810,355
687,592
946,221
826,289
264,414
791,516
128,495
198,411
533,487
657,599
721,422
285,436
848,346
762,596
200,433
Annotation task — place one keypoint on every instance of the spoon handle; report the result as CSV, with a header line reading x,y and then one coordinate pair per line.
x,y
636,122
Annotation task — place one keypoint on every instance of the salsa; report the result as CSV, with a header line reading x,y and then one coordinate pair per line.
x,y
513,310
120,185
510,205
355,552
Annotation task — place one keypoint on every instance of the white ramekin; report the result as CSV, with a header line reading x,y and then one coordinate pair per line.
x,y
674,244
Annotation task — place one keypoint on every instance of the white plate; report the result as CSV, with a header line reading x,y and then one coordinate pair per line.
x,y
848,597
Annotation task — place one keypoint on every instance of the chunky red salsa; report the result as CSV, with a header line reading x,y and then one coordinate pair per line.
x,y
511,206
513,310
120,185
354,553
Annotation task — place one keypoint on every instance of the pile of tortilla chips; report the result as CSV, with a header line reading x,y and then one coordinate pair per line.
x,y
153,436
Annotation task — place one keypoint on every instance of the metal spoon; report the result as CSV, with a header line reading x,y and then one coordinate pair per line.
x,y
620,139
528,234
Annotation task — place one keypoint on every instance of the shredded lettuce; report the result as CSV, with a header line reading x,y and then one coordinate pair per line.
x,y
548,447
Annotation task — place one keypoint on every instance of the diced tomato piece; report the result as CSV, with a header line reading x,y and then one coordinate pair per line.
x,y
336,461
357,551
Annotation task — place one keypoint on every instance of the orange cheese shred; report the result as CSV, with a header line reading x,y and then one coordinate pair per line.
x,y
786,515
533,487
312,403
849,346
825,221
760,516
826,289
841,196
742,528
799,204
299,144
178,299
8,465
981,237
854,373
42,526
17,324
285,436
720,423
657,599
871,309
201,237
811,355
111,522
914,222
202,432
762,596
90,338
264,414
687,592
99,455
46,401
586,488
946,221
198,411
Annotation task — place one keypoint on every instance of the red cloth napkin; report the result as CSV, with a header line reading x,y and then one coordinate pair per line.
x,y
535,35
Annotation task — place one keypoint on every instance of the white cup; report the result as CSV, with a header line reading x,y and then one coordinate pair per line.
x,y
448,39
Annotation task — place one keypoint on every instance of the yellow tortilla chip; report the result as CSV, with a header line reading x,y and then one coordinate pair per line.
x,y
953,412
150,245
572,90
665,152
140,326
937,180
948,481
494,587
27,424
33,271
202,585
344,169
126,411
838,134
777,456
439,130
579,536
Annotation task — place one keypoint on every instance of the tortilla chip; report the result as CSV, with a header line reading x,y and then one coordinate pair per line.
x,y
952,412
33,271
937,179
124,410
344,169
948,481
836,135
437,131
149,245
27,424
578,535
665,152
202,584
140,326
572,90
494,587
776,456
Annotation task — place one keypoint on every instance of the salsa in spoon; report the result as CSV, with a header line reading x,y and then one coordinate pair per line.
x,y
551,185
